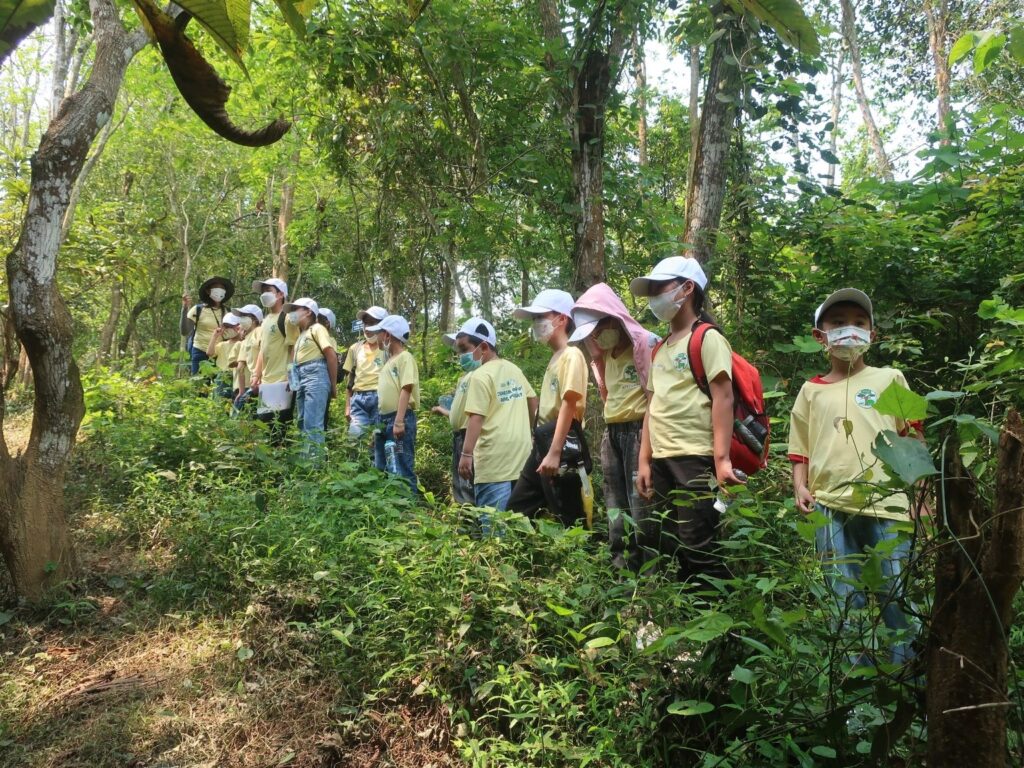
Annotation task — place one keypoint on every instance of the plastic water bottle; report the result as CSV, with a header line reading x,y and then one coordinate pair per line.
x,y
720,503
587,497
391,457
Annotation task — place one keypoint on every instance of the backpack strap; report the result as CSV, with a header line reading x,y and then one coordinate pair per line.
x,y
693,354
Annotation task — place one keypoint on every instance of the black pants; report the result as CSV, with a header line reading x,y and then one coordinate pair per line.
x,y
682,522
560,495
278,421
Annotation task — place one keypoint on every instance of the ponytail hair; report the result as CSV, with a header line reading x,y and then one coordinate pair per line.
x,y
698,306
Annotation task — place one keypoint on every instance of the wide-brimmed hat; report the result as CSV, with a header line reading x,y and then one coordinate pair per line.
x,y
204,289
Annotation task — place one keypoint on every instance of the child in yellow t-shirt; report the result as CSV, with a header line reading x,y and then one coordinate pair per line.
x,y
222,351
313,372
563,398
398,392
684,447
832,429
362,367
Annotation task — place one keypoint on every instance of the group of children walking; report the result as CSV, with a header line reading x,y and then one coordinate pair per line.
x,y
669,408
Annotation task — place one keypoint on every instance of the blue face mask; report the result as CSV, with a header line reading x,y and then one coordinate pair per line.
x,y
467,362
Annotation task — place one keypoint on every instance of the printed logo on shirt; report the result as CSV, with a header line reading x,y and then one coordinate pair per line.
x,y
394,371
464,385
682,361
510,390
630,375
866,398
554,384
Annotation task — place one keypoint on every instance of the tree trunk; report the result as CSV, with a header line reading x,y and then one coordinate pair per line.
x,y
110,326
640,78
90,163
937,17
284,220
849,25
709,158
33,530
978,572
837,106
694,118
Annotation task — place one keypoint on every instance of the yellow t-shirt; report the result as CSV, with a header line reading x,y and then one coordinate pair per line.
x,y
367,362
626,399
239,378
680,422
306,349
566,372
222,354
274,346
817,434
498,391
457,413
399,372
208,322
250,350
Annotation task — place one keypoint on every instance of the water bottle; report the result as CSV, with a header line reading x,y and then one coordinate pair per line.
x,y
757,429
587,496
720,503
391,457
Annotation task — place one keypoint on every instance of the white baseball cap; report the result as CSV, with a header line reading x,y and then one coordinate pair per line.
x,y
372,313
253,310
273,282
672,268
230,319
851,295
305,303
548,300
586,321
396,325
329,316
476,327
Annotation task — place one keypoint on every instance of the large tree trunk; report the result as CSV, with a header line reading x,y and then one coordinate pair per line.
x,y
937,17
33,530
110,326
709,158
849,25
977,574
694,117
284,220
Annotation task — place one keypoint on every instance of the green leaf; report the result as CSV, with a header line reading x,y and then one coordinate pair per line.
x,y
690,707
600,642
18,18
560,610
5,616
707,628
829,157
906,457
942,394
742,675
988,48
900,402
244,654
822,751
961,47
293,16
226,20
789,21
1016,46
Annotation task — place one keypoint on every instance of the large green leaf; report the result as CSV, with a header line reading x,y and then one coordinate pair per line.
x,y
788,20
900,402
18,18
905,457
226,20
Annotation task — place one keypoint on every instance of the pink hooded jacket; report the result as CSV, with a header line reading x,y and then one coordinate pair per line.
x,y
601,301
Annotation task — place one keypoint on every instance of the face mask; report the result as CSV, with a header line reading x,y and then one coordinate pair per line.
x,y
293,317
229,333
542,329
664,306
370,337
268,299
467,362
849,342
246,323
385,346
218,294
607,339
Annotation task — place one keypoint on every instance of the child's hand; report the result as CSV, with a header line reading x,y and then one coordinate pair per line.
x,y
804,501
644,485
466,467
551,464
398,430
726,475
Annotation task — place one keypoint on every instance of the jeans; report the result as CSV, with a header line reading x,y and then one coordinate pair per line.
x,y
620,455
363,406
405,449
683,523
462,489
847,546
311,400
494,496
198,356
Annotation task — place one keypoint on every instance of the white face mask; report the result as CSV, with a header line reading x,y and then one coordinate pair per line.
x,y
268,299
229,333
294,316
849,342
607,339
370,337
218,294
385,345
542,329
664,306
246,323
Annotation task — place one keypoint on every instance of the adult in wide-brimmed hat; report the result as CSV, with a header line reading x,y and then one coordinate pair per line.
x,y
199,322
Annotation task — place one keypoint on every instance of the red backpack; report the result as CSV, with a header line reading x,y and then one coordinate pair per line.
x,y
751,429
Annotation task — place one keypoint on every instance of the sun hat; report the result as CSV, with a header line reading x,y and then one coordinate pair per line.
x,y
548,300
204,289
586,321
329,316
304,303
230,319
852,295
372,313
396,325
672,268
252,310
273,282
476,327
